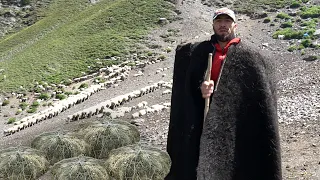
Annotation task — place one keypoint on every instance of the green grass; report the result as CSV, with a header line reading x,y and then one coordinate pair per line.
x,y
310,12
72,34
11,120
283,16
5,102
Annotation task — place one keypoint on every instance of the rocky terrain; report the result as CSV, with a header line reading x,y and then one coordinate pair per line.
x,y
298,91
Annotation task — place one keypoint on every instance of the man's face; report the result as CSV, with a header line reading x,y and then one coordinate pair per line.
x,y
224,28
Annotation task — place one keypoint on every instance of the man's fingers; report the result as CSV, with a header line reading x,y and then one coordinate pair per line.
x,y
206,95
208,83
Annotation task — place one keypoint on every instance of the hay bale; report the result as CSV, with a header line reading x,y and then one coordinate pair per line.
x,y
138,162
105,135
57,146
22,163
79,168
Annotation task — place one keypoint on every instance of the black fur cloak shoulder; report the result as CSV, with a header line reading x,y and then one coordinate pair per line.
x,y
239,139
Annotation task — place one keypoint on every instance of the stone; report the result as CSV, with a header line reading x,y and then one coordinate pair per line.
x,y
310,58
137,122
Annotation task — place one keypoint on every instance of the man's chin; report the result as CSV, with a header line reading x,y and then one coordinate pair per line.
x,y
225,38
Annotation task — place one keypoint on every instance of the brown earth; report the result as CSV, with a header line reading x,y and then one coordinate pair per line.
x,y
299,109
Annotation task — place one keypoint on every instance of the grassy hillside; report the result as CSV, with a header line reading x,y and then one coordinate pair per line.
x,y
71,36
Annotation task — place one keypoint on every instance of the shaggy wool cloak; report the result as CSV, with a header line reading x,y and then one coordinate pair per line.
x,y
240,138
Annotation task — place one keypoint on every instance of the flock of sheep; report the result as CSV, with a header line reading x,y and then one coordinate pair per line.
x,y
113,75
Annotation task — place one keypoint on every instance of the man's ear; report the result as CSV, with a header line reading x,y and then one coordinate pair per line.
x,y
235,26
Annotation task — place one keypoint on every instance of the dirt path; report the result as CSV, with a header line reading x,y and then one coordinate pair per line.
x,y
299,92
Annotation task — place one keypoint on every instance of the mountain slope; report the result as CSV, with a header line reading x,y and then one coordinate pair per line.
x,y
72,35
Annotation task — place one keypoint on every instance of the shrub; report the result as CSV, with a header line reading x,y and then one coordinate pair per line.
x,y
22,163
35,104
44,96
11,120
292,48
288,34
79,168
283,16
61,96
162,57
295,4
306,43
105,135
18,111
57,146
311,12
83,85
310,23
68,93
267,20
67,82
23,105
137,162
32,110
5,102
286,25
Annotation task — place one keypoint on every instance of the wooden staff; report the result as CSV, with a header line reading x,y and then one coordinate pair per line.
x,y
207,78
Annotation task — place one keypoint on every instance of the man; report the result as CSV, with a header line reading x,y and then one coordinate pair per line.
x,y
239,138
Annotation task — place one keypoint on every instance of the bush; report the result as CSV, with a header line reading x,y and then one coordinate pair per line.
x,y
295,4
22,163
57,146
162,57
67,82
83,85
311,12
61,96
5,102
286,25
292,48
35,104
79,168
310,24
288,34
11,120
32,110
105,135
283,16
306,43
267,20
44,96
137,162
23,105
18,111
68,93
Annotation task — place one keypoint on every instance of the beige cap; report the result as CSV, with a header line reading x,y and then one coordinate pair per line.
x,y
225,11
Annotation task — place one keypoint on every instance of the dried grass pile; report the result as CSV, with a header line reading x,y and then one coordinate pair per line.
x,y
58,145
138,162
22,163
79,168
106,135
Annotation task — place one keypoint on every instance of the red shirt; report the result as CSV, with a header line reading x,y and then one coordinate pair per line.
x,y
219,56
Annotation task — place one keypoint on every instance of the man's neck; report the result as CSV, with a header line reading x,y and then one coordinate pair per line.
x,y
223,44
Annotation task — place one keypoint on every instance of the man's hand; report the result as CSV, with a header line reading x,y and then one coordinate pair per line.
x,y
207,88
